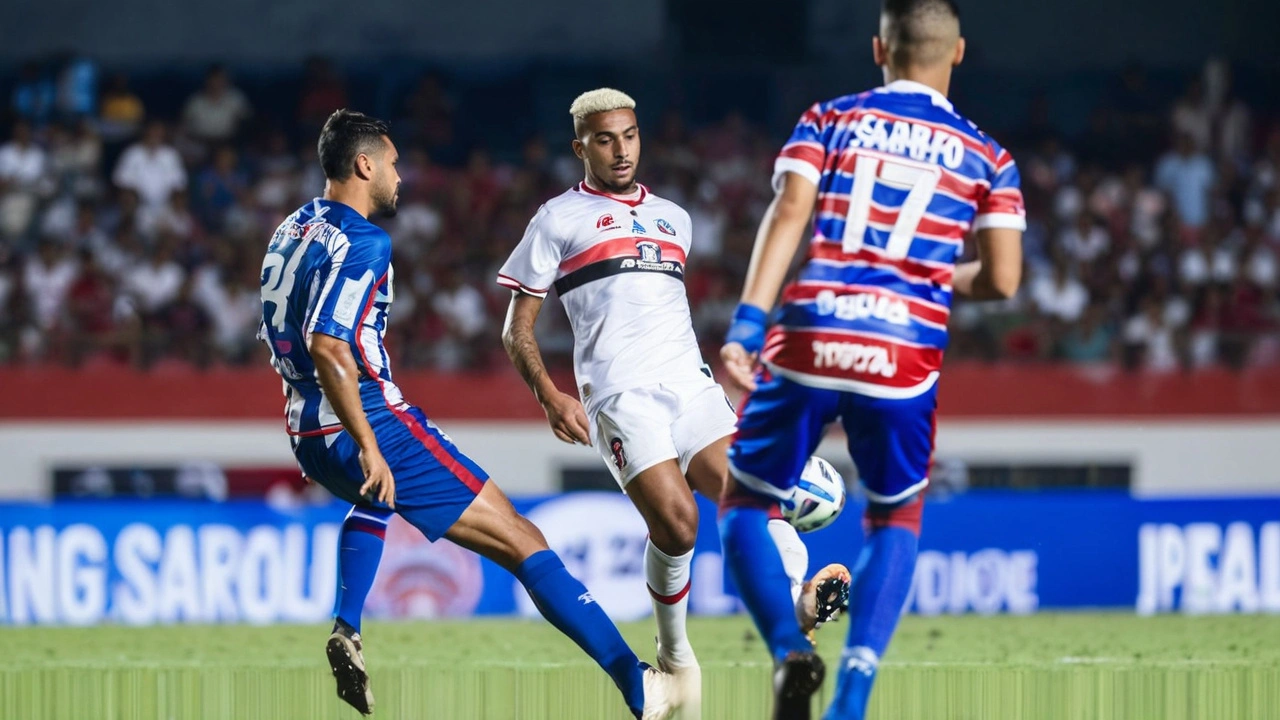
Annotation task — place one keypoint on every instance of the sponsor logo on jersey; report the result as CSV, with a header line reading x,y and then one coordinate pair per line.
x,y
636,227
665,228
867,359
585,598
861,306
649,252
605,222
619,456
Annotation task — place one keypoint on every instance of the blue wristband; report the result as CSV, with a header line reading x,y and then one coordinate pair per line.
x,y
748,328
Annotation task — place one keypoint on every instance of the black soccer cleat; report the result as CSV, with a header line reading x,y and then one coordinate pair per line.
x,y
795,680
823,598
832,599
347,661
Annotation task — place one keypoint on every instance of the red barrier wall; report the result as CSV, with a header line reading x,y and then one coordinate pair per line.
x,y
968,390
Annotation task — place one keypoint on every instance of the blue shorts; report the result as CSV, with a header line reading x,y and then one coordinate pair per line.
x,y
435,482
782,422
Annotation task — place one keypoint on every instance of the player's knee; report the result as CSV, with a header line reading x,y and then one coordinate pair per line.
x,y
677,530
907,515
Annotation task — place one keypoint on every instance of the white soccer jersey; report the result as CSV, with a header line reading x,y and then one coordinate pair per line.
x,y
618,266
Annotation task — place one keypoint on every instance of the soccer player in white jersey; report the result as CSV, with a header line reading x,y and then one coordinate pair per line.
x,y
615,253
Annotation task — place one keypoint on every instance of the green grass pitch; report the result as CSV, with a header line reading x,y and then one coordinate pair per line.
x,y
1044,667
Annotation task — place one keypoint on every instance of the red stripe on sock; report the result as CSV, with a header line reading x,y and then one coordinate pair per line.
x,y
670,599
907,516
366,526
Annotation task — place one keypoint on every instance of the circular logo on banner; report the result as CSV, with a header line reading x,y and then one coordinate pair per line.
x,y
601,538
419,580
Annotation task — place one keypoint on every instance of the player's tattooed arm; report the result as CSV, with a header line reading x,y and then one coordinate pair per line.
x,y
565,414
340,380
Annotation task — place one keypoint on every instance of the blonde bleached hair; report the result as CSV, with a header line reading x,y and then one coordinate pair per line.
x,y
598,101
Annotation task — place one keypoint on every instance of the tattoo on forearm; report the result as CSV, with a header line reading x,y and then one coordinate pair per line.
x,y
522,348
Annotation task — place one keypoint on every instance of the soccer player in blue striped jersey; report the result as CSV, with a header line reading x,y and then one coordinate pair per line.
x,y
327,287
887,184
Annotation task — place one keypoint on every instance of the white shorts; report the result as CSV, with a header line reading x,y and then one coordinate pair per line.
x,y
641,427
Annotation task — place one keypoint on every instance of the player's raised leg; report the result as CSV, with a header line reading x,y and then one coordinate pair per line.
x,y
892,443
360,545
491,527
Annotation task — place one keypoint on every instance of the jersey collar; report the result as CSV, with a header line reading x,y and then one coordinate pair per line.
x,y
913,87
644,193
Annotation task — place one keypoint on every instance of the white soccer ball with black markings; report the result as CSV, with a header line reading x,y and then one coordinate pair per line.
x,y
818,497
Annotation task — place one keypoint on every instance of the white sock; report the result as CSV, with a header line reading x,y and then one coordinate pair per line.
x,y
668,579
795,555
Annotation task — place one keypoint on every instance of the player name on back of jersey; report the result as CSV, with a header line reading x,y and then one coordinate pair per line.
x,y
903,137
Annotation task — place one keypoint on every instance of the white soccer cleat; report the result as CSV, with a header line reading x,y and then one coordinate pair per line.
x,y
688,681
661,694
346,659
823,598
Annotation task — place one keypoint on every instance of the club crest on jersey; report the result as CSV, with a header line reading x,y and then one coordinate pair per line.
x,y
650,252
636,227
665,228
605,222
619,457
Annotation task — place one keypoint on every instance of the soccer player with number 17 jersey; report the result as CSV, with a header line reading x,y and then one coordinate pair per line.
x,y
894,180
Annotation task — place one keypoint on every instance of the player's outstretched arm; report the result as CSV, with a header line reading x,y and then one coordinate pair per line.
x,y
565,414
340,380
997,272
781,231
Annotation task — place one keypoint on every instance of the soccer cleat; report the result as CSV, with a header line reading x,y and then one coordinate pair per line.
x,y
823,598
347,661
688,680
795,680
661,694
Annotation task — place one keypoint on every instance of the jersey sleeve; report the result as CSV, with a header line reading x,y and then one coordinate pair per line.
x,y
805,153
532,266
1002,206
356,269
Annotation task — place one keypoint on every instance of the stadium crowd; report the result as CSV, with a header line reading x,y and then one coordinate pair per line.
x,y
130,238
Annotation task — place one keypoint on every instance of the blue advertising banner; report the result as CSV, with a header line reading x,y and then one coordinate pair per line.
x,y
144,562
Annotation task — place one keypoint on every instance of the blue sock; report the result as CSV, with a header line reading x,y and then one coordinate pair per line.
x,y
880,587
567,605
756,569
359,552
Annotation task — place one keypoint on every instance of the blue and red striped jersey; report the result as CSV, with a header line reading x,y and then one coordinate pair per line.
x,y
902,179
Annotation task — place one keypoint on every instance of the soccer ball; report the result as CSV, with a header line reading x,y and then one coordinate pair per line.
x,y
818,497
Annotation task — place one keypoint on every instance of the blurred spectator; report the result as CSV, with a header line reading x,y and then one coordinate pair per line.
x,y
1086,240
322,93
1150,338
92,313
1092,340
47,278
75,158
23,168
1187,175
1059,295
220,187
1193,117
122,111
462,309
154,283
76,88
151,168
214,114
33,95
